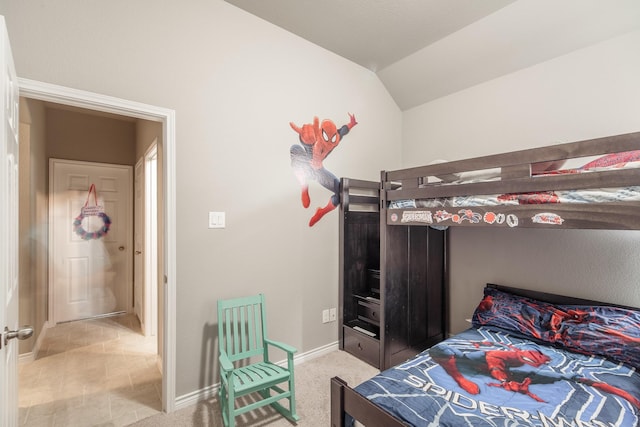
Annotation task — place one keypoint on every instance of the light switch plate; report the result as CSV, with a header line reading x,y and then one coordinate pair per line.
x,y
217,220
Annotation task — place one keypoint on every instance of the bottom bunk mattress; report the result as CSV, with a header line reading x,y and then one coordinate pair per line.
x,y
488,377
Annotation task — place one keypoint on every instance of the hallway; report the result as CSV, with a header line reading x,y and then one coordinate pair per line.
x,y
95,372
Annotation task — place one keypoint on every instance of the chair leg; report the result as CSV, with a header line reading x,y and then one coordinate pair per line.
x,y
290,411
227,406
292,389
231,414
292,398
222,395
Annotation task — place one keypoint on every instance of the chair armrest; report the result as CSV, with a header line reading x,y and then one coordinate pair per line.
x,y
281,346
225,363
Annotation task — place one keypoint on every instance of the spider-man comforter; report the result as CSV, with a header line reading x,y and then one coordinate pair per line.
x,y
486,377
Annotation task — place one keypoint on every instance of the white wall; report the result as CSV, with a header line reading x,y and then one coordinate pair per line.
x,y
589,93
235,83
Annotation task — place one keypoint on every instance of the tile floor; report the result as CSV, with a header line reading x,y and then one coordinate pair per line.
x,y
97,372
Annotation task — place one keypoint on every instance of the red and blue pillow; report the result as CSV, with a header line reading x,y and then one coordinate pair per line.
x,y
607,331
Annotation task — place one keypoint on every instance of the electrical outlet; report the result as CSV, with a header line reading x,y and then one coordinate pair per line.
x,y
332,314
325,316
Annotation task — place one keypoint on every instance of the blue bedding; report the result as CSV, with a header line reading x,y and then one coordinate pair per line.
x,y
486,377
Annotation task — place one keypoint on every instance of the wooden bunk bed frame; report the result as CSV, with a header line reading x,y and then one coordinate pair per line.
x,y
345,400
516,177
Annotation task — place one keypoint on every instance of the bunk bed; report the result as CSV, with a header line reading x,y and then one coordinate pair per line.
x,y
528,189
592,184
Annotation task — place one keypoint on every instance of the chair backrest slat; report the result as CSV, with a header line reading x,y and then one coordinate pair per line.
x,y
236,328
226,338
241,326
244,324
254,314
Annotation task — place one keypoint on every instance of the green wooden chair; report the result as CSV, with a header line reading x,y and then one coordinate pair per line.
x,y
244,360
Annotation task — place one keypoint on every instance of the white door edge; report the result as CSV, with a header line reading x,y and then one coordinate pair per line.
x,y
138,265
150,239
9,239
88,100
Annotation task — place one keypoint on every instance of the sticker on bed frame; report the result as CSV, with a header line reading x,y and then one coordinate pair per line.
x,y
476,217
427,217
317,141
424,217
500,218
547,218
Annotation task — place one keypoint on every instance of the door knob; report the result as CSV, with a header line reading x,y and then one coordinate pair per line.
x,y
138,252
121,248
22,334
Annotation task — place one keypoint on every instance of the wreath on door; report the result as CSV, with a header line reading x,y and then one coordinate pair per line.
x,y
92,210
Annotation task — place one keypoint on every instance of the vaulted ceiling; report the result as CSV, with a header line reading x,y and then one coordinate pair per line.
x,y
425,49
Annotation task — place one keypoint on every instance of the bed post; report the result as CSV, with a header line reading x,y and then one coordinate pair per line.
x,y
384,355
337,402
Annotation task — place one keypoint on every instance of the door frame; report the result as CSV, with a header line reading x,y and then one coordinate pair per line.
x,y
93,101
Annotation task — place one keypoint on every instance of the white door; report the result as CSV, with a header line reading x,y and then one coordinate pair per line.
x,y
138,243
91,273
8,233
145,239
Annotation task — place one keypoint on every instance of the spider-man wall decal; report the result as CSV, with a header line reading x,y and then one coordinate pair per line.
x,y
317,141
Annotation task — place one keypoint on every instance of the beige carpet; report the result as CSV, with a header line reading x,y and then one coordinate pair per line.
x,y
312,395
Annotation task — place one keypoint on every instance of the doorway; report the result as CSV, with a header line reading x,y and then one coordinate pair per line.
x,y
95,102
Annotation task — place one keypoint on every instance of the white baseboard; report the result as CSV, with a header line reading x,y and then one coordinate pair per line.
x,y
312,354
211,391
26,357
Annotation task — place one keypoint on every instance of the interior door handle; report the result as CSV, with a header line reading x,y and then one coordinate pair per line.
x,y
22,334
138,252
